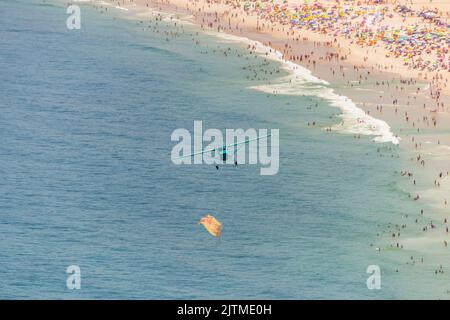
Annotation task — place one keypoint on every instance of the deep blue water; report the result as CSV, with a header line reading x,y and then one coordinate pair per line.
x,y
86,177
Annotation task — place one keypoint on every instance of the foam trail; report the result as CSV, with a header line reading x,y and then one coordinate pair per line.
x,y
300,81
110,4
104,3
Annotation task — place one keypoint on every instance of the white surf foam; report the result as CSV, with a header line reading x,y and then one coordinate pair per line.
x,y
166,16
180,20
110,4
301,82
103,3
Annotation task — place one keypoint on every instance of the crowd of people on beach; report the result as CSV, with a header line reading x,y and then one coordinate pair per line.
x,y
423,46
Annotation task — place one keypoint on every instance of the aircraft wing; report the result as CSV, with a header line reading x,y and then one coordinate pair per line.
x,y
220,148
199,152
247,141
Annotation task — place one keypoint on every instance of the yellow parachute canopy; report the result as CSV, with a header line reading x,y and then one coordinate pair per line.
x,y
211,224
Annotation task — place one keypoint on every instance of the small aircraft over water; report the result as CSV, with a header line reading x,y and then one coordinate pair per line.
x,y
225,151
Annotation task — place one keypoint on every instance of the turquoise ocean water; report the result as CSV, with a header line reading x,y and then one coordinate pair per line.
x,y
86,177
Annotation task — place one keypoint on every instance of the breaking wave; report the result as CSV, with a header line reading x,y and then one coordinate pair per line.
x,y
302,82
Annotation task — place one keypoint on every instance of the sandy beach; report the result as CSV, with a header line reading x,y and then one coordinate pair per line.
x,y
361,41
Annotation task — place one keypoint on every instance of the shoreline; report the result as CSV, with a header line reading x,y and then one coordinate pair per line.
x,y
388,97
404,103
